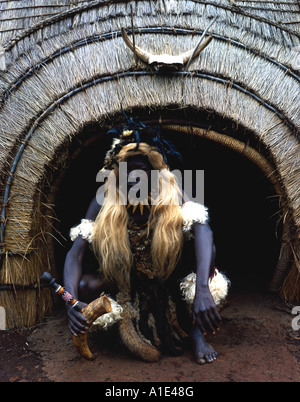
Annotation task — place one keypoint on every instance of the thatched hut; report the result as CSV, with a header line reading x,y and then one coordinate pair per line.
x,y
66,74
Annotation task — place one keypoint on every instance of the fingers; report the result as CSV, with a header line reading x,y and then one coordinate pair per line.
x,y
77,322
218,317
200,326
214,319
208,320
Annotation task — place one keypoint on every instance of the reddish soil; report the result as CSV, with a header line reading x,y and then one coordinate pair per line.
x,y
256,343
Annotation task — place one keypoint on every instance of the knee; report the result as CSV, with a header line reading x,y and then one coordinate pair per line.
x,y
84,285
89,288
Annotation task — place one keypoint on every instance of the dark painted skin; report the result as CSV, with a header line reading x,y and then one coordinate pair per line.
x,y
88,286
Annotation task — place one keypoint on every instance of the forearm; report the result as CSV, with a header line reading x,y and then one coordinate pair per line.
x,y
71,281
205,314
73,264
203,253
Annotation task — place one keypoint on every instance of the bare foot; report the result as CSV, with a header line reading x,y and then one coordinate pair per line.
x,y
204,353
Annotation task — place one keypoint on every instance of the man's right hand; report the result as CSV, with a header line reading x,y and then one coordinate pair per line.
x,y
77,322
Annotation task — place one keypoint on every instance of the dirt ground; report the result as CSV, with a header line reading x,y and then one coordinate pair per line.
x,y
256,343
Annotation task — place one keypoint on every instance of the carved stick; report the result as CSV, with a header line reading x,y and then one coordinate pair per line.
x,y
48,279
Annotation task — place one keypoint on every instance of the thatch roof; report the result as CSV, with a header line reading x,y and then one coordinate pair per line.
x,y
20,16
66,70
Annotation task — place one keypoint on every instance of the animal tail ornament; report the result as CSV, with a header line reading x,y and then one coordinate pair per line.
x,y
135,344
218,286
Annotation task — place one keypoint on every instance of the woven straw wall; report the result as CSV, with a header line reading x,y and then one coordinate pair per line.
x,y
72,68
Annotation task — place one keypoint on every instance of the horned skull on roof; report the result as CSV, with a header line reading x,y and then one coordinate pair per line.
x,y
167,61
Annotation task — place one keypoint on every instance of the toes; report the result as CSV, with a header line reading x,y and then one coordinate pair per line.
x,y
201,360
211,357
208,358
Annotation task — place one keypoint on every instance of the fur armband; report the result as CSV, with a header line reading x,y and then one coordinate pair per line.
x,y
85,229
218,286
193,212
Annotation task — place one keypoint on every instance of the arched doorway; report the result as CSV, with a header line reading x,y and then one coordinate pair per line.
x,y
243,204
74,70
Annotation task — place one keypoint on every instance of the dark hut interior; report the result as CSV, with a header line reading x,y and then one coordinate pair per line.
x,y
244,207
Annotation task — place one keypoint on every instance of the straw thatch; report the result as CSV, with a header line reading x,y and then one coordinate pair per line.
x,y
68,69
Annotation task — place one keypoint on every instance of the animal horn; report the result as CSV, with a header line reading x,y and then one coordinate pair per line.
x,y
191,54
142,54
188,56
91,312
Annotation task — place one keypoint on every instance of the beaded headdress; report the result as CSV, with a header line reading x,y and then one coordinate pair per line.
x,y
136,132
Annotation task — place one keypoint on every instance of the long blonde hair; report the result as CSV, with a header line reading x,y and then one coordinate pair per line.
x,y
110,240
